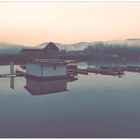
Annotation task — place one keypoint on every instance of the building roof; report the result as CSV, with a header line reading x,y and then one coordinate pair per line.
x,y
51,45
48,62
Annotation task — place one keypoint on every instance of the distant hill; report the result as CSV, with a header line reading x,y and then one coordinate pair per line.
x,y
76,46
128,42
83,45
8,48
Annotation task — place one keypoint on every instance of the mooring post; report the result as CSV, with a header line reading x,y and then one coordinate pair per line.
x,y
11,68
12,72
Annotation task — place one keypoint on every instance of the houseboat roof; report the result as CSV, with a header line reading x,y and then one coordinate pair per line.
x,y
48,62
71,61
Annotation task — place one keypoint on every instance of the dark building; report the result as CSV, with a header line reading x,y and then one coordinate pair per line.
x,y
49,52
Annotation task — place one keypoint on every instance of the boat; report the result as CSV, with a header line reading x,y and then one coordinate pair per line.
x,y
23,66
71,66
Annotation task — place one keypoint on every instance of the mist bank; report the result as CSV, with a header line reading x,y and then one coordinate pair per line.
x,y
115,47
9,48
128,49
83,45
114,51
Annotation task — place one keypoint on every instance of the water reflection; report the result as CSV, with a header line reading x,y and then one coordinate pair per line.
x,y
37,86
96,106
42,87
12,81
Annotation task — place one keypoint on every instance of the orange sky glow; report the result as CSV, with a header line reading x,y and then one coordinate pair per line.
x,y
30,23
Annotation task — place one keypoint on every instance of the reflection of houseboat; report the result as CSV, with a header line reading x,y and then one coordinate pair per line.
x,y
47,69
106,70
42,87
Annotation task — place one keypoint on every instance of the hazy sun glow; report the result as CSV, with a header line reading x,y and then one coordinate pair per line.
x,y
31,23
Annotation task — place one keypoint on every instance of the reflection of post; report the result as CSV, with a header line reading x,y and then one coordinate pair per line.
x,y
12,79
12,72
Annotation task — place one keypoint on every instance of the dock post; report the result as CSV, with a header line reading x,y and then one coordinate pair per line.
x,y
11,68
12,72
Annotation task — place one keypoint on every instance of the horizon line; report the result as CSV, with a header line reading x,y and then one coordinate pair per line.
x,y
5,42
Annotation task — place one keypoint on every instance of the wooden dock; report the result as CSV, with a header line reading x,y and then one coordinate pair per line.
x,y
82,71
104,71
12,75
7,75
133,69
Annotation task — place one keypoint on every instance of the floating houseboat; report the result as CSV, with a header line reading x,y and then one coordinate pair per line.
x,y
50,69
47,69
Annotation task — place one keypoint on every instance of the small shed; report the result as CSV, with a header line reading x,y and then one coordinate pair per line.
x,y
50,51
47,68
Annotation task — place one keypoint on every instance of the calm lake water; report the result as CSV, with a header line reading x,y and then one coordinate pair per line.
x,y
92,106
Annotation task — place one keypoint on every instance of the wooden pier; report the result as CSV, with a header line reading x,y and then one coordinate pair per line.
x,y
82,71
7,75
106,71
11,75
133,69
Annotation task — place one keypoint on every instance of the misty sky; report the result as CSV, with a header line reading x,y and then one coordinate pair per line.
x,y
31,23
